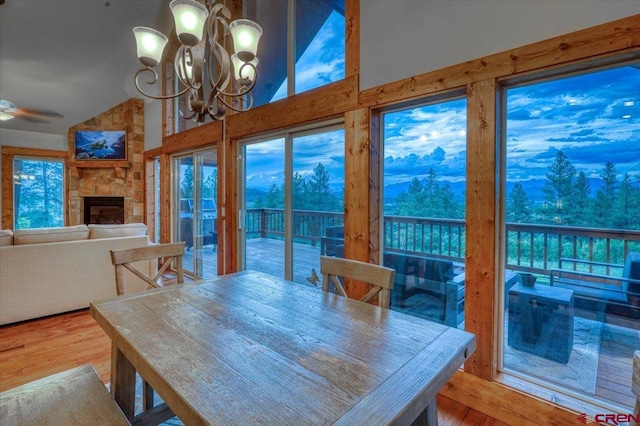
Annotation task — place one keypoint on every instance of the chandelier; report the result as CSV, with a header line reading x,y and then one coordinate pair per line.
x,y
202,64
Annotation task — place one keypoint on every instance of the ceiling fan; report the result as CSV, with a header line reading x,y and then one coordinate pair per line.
x,y
9,111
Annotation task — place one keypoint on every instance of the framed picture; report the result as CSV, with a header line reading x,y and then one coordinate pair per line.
x,y
100,145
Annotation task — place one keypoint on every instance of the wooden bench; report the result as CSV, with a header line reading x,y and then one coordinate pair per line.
x,y
73,397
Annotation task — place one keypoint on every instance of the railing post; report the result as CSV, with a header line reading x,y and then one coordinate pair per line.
x,y
263,223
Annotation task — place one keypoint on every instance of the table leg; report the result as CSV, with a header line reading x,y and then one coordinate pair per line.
x,y
123,382
429,416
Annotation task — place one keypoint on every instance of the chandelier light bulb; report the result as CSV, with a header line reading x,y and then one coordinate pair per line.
x,y
189,20
189,17
246,35
150,45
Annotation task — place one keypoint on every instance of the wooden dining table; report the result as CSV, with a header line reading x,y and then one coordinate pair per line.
x,y
251,348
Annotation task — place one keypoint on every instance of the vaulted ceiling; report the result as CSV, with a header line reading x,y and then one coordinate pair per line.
x,y
73,57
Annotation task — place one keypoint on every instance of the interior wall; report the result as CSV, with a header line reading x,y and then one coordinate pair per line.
x,y
403,38
152,124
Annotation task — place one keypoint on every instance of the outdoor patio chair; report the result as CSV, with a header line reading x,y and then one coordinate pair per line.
x,y
332,244
434,277
380,277
619,290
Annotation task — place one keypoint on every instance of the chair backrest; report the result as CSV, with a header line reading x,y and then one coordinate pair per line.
x,y
380,277
631,270
124,259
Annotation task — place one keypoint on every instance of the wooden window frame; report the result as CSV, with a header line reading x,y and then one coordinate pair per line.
x,y
8,154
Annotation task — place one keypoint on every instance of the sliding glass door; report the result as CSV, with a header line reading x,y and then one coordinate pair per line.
x,y
293,191
195,211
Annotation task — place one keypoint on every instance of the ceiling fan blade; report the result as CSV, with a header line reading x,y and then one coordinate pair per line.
x,y
37,116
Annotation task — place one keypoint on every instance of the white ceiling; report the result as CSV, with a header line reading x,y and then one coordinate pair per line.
x,y
74,57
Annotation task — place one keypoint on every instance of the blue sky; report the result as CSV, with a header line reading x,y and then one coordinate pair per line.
x,y
593,118
265,161
323,60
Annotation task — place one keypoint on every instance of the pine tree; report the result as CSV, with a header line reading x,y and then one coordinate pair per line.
x,y
581,204
559,188
274,197
627,206
606,196
319,193
519,209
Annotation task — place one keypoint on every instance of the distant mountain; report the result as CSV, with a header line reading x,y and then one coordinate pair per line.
x,y
251,194
393,190
533,188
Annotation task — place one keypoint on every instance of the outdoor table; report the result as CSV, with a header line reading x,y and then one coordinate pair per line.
x,y
249,348
541,321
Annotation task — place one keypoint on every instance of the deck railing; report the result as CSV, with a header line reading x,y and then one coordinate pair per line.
x,y
530,247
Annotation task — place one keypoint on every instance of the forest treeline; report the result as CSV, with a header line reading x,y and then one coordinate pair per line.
x,y
568,199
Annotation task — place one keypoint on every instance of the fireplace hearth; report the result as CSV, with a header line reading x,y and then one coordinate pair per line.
x,y
103,210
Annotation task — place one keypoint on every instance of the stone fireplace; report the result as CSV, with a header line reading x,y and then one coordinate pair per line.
x,y
101,183
103,210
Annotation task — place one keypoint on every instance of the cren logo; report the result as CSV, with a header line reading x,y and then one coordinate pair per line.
x,y
586,419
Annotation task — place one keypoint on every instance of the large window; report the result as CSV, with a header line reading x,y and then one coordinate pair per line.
x,y
38,193
316,57
572,186
293,190
424,208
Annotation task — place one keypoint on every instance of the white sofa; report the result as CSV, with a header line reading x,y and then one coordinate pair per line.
x,y
55,270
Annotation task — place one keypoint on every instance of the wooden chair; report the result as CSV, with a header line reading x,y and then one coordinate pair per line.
x,y
72,397
635,387
380,277
124,259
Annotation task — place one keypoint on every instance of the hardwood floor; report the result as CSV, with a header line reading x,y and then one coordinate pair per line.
x,y
34,349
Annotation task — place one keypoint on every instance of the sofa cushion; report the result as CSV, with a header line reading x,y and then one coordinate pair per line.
x,y
50,235
6,237
115,231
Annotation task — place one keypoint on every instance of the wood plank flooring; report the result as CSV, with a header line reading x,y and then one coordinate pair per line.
x,y
34,349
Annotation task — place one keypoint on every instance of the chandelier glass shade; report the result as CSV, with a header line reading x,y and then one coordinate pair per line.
x,y
202,64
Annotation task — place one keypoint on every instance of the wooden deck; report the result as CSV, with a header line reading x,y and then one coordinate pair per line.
x,y
613,380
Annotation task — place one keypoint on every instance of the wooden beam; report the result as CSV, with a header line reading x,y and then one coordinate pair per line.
x,y
319,104
352,38
231,240
481,224
356,194
153,153
506,404
613,37
33,152
165,198
197,137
